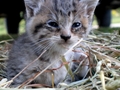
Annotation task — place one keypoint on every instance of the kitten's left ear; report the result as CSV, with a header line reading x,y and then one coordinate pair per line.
x,y
32,7
91,5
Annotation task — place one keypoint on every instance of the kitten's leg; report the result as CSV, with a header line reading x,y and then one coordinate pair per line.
x,y
80,65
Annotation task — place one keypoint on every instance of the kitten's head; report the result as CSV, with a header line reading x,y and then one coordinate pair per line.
x,y
59,23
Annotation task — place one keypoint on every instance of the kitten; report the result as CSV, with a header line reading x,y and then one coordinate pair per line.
x,y
52,25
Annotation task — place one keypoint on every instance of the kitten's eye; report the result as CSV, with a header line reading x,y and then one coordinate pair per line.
x,y
53,24
76,25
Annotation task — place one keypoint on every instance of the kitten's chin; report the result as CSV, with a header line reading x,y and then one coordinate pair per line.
x,y
60,49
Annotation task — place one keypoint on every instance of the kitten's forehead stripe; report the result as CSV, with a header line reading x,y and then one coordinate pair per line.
x,y
64,7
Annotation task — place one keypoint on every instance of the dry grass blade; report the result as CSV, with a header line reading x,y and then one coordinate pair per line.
x,y
102,79
70,49
113,84
105,57
68,68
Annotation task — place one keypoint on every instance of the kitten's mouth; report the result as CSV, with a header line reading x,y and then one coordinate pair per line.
x,y
62,42
65,44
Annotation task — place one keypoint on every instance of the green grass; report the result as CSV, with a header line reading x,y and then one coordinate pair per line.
x,y
109,30
3,26
3,32
115,17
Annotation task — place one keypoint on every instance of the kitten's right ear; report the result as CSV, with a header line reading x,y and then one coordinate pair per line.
x,y
32,7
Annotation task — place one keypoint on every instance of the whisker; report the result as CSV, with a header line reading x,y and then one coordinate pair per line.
x,y
43,44
52,46
39,50
43,41
42,47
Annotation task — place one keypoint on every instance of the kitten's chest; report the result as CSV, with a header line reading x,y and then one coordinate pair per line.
x,y
53,66
55,60
50,62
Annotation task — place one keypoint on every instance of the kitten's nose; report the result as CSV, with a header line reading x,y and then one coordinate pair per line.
x,y
65,37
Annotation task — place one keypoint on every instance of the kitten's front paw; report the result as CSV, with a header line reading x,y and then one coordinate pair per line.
x,y
80,64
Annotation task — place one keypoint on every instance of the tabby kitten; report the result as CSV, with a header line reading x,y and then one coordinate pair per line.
x,y
54,26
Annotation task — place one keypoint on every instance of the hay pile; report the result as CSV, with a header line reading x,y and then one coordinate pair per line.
x,y
102,48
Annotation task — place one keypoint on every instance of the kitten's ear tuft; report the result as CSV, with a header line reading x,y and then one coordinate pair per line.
x,y
91,5
32,7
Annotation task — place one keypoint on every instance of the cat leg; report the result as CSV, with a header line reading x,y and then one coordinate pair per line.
x,y
80,65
